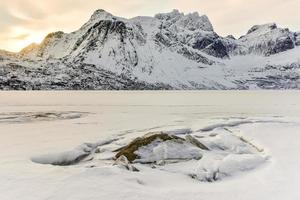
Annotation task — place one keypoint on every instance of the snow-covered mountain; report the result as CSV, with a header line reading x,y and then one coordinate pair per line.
x,y
167,51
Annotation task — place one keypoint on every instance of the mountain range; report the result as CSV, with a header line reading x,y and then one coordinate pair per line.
x,y
168,51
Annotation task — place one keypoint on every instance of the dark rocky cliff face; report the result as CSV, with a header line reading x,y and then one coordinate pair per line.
x,y
280,45
100,31
212,45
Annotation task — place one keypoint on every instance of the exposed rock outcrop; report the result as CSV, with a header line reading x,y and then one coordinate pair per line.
x,y
157,147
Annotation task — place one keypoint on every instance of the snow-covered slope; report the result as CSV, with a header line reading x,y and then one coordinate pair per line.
x,y
167,51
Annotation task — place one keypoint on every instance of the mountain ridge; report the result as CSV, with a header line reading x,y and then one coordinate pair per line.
x,y
168,51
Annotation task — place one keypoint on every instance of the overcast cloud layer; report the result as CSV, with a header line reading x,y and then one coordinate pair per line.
x,y
26,21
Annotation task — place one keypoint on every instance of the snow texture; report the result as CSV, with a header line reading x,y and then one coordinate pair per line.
x,y
247,161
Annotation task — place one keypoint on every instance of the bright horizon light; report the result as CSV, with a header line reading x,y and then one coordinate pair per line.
x,y
21,38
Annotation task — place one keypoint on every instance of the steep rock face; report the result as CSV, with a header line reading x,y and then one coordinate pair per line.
x,y
212,44
267,39
193,30
110,44
217,49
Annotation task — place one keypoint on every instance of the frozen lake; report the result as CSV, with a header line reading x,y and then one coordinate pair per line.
x,y
36,123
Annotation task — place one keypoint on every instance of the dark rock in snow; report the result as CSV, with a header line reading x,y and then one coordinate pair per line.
x,y
217,49
195,142
129,150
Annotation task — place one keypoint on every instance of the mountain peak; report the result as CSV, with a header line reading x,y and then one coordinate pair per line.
x,y
173,15
101,14
191,21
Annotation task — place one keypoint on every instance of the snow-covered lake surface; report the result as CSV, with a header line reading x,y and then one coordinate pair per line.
x,y
44,126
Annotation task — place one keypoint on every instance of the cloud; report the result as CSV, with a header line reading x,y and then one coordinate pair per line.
x,y
21,36
227,16
8,19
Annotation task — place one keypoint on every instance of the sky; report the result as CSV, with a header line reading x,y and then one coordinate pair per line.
x,y
25,21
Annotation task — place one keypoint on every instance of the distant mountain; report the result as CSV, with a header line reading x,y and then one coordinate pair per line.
x,y
168,51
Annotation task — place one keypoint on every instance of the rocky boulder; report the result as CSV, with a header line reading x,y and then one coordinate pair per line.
x,y
159,146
